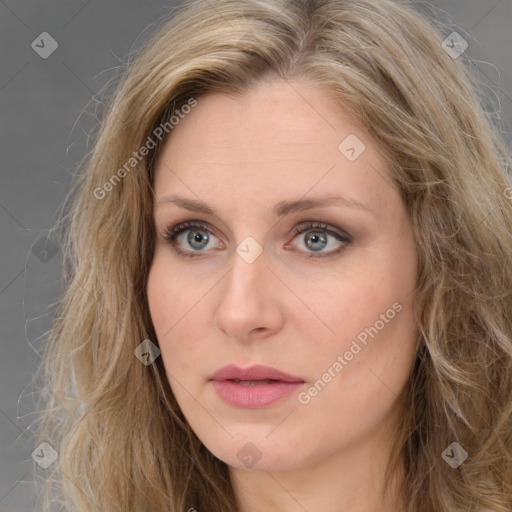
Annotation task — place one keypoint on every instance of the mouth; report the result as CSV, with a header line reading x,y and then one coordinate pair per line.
x,y
252,382
254,387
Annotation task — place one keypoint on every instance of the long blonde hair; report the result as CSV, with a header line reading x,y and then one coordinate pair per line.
x,y
122,440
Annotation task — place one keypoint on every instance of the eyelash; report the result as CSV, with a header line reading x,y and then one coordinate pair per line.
x,y
172,232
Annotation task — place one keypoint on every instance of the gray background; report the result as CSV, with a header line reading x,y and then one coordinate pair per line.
x,y
43,136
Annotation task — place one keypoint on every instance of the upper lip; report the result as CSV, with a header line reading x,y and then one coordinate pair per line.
x,y
257,372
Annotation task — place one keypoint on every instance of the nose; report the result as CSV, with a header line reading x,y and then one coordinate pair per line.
x,y
249,305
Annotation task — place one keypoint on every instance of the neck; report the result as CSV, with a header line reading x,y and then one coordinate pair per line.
x,y
351,480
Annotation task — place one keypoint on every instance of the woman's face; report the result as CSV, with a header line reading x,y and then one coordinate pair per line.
x,y
277,274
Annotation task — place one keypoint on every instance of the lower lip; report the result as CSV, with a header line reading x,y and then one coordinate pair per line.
x,y
252,397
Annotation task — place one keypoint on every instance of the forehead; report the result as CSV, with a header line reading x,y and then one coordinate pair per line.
x,y
277,140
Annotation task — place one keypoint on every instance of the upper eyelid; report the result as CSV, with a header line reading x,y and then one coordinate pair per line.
x,y
302,227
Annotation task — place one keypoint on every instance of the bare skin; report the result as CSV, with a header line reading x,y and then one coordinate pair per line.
x,y
289,308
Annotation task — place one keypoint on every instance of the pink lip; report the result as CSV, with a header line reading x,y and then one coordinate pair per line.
x,y
253,396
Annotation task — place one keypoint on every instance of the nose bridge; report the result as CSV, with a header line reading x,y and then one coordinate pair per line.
x,y
244,303
248,271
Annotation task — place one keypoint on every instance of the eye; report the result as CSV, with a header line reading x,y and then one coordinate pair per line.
x,y
197,236
317,236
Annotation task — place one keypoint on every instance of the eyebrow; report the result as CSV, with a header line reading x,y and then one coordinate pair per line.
x,y
279,210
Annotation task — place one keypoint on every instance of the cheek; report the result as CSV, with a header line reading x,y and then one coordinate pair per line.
x,y
161,298
373,296
178,311
358,373
175,307
371,344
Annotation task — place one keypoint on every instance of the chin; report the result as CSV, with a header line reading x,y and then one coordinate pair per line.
x,y
258,453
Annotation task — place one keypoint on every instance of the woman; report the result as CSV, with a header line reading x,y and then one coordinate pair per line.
x,y
287,274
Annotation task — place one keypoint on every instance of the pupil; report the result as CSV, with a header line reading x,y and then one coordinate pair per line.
x,y
196,237
315,239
